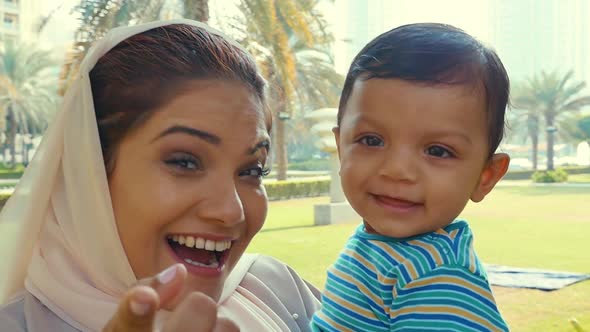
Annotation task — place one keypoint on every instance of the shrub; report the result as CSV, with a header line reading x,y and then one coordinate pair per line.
x,y
311,165
276,190
11,173
296,189
527,174
558,175
3,199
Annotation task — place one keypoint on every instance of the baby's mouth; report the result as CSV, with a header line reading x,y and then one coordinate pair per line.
x,y
200,252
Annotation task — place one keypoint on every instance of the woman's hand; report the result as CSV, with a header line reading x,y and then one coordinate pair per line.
x,y
196,313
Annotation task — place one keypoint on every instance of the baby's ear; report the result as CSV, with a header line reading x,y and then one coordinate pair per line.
x,y
336,131
491,174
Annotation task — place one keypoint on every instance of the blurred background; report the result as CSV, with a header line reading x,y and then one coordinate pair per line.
x,y
537,218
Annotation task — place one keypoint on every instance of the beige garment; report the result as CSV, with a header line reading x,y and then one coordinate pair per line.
x,y
290,297
67,251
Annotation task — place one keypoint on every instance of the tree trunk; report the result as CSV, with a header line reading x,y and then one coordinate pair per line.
x,y
550,141
535,154
281,149
25,149
11,137
197,10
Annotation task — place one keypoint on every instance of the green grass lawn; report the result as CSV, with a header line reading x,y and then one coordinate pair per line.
x,y
579,178
571,178
541,227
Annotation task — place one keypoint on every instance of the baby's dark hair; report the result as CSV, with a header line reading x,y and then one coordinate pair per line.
x,y
432,53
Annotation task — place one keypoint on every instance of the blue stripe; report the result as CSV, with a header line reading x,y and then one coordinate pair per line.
x,y
345,295
385,272
351,314
426,255
443,317
452,287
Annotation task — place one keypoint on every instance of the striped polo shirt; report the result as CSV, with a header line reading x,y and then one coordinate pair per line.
x,y
431,282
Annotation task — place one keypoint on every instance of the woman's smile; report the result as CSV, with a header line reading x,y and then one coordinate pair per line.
x,y
202,255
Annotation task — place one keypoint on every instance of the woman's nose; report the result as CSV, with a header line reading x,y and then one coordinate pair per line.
x,y
223,204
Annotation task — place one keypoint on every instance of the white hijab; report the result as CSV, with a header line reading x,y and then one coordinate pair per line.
x,y
67,250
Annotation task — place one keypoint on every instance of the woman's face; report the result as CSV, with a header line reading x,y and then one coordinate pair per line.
x,y
187,184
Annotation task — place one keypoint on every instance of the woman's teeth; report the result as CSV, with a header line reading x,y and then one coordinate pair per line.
x,y
200,243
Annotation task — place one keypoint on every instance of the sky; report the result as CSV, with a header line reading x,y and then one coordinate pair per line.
x,y
470,15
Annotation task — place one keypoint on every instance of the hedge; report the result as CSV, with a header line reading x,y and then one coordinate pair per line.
x,y
276,190
3,199
526,175
297,188
558,175
11,173
310,165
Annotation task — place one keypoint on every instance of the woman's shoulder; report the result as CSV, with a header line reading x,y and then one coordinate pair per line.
x,y
277,284
26,314
276,273
12,315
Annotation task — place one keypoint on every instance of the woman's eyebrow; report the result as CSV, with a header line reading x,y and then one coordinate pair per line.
x,y
262,144
211,138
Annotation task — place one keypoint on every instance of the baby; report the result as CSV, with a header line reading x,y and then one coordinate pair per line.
x,y
420,118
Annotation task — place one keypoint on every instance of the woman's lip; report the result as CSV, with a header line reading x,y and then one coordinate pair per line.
x,y
202,271
214,237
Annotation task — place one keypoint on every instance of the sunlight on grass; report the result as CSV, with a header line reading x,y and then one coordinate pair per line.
x,y
579,178
543,227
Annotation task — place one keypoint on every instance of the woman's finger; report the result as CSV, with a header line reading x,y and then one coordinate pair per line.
x,y
225,325
137,309
136,312
168,284
196,313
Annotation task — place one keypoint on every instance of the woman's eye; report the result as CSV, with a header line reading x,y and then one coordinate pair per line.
x,y
256,172
439,152
371,140
184,162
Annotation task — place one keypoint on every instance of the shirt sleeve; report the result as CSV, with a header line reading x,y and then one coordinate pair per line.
x,y
449,298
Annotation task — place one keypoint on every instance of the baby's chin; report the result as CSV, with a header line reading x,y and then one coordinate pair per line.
x,y
397,232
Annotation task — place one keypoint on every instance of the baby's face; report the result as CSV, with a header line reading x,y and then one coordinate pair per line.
x,y
411,155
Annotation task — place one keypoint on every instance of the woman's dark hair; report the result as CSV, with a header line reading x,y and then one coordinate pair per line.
x,y
145,71
432,53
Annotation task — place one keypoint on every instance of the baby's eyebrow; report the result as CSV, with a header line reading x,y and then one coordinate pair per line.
x,y
462,136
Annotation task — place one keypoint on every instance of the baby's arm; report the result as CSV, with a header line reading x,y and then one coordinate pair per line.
x,y
449,298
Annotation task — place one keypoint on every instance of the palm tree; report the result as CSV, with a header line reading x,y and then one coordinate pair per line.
x,y
583,132
525,113
27,91
97,17
196,9
578,129
529,119
554,96
290,42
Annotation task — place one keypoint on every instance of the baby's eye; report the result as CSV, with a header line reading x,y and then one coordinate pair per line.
x,y
371,140
439,152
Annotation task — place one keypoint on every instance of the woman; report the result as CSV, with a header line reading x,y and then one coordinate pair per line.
x,y
154,164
